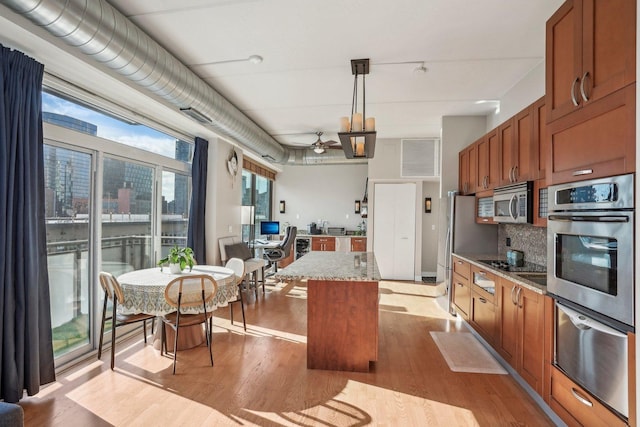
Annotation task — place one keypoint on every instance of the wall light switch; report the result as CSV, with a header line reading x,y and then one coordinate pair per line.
x,y
347,216
231,229
433,227
297,216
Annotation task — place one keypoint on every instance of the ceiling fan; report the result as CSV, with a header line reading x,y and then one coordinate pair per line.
x,y
321,146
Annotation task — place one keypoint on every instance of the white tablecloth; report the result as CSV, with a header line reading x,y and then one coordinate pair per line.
x,y
144,289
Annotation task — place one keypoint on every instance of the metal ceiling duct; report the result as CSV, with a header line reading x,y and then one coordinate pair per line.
x,y
98,30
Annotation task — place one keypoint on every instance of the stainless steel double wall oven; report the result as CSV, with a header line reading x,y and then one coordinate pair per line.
x,y
590,256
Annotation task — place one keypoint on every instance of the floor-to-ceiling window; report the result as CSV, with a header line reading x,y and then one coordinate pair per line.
x,y
117,195
257,191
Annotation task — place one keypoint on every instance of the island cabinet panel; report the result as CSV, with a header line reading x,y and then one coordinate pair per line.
x,y
590,53
461,295
342,324
323,243
521,331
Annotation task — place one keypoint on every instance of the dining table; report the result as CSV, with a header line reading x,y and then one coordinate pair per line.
x,y
144,293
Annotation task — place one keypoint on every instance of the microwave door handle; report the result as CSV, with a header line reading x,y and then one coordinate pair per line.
x,y
583,323
513,207
581,218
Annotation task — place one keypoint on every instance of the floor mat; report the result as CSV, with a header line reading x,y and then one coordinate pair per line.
x,y
464,353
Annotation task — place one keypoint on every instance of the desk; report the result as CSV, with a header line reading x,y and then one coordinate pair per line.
x,y
260,247
144,293
342,308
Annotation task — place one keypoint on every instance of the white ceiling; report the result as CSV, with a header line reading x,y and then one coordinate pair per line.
x,y
473,49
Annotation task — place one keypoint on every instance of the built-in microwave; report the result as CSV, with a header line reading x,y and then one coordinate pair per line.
x,y
513,203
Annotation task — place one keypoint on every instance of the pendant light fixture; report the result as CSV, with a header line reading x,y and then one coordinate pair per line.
x,y
358,132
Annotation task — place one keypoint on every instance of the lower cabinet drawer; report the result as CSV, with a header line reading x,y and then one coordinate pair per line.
x,y
577,407
483,316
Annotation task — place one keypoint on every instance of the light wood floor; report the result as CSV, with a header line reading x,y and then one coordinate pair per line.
x,y
260,377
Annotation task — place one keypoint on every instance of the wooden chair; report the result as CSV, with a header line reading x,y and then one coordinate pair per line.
x,y
189,291
237,265
113,292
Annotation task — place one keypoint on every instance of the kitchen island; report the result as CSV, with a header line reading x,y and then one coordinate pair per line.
x,y
342,308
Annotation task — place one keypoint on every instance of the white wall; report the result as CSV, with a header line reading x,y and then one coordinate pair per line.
x,y
430,228
522,94
223,198
320,192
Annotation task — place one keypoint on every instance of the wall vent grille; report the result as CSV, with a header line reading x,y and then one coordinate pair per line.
x,y
420,158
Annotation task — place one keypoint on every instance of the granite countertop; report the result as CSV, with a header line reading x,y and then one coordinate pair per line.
x,y
475,259
321,265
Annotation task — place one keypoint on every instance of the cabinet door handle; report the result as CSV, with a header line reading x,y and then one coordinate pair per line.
x,y
582,172
582,92
515,173
581,398
513,301
518,298
573,92
482,300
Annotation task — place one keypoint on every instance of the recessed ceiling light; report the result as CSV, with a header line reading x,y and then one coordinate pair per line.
x,y
255,59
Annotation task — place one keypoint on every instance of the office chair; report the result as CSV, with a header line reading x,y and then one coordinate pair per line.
x,y
284,249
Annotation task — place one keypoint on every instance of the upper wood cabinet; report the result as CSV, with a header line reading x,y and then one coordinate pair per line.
x,y
517,147
540,139
467,169
488,170
590,53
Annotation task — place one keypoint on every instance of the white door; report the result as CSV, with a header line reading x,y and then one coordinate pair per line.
x,y
394,230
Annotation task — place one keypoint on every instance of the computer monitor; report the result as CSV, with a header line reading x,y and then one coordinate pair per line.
x,y
269,228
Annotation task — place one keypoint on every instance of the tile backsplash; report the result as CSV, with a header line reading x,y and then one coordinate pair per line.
x,y
526,238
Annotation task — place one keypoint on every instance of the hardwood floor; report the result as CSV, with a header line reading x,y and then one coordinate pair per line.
x,y
260,377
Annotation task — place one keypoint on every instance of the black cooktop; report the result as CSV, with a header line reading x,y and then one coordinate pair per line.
x,y
523,266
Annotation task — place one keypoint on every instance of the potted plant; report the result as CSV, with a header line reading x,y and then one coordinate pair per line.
x,y
178,259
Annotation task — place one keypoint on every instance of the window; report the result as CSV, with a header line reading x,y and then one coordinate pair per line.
x,y
257,191
132,190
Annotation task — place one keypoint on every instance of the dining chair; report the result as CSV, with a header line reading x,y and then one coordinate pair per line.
x,y
113,292
189,292
237,265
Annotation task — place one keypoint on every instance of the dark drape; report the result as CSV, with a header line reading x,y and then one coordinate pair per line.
x,y
195,234
26,353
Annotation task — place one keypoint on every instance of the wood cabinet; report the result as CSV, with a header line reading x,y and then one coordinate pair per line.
x,y
590,53
590,93
483,309
467,165
521,331
461,287
323,243
575,406
358,244
594,142
516,145
540,140
488,158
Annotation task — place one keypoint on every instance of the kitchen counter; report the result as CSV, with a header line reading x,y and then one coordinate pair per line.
x,y
332,266
513,276
342,308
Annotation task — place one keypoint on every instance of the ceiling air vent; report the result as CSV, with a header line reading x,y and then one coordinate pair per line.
x,y
420,158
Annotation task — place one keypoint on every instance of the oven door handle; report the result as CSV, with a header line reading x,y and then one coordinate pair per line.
x,y
584,218
584,323
513,207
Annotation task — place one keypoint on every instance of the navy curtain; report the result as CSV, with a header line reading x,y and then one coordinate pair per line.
x,y
26,353
195,234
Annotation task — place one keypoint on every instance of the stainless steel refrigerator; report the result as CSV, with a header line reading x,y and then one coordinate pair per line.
x,y
464,235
